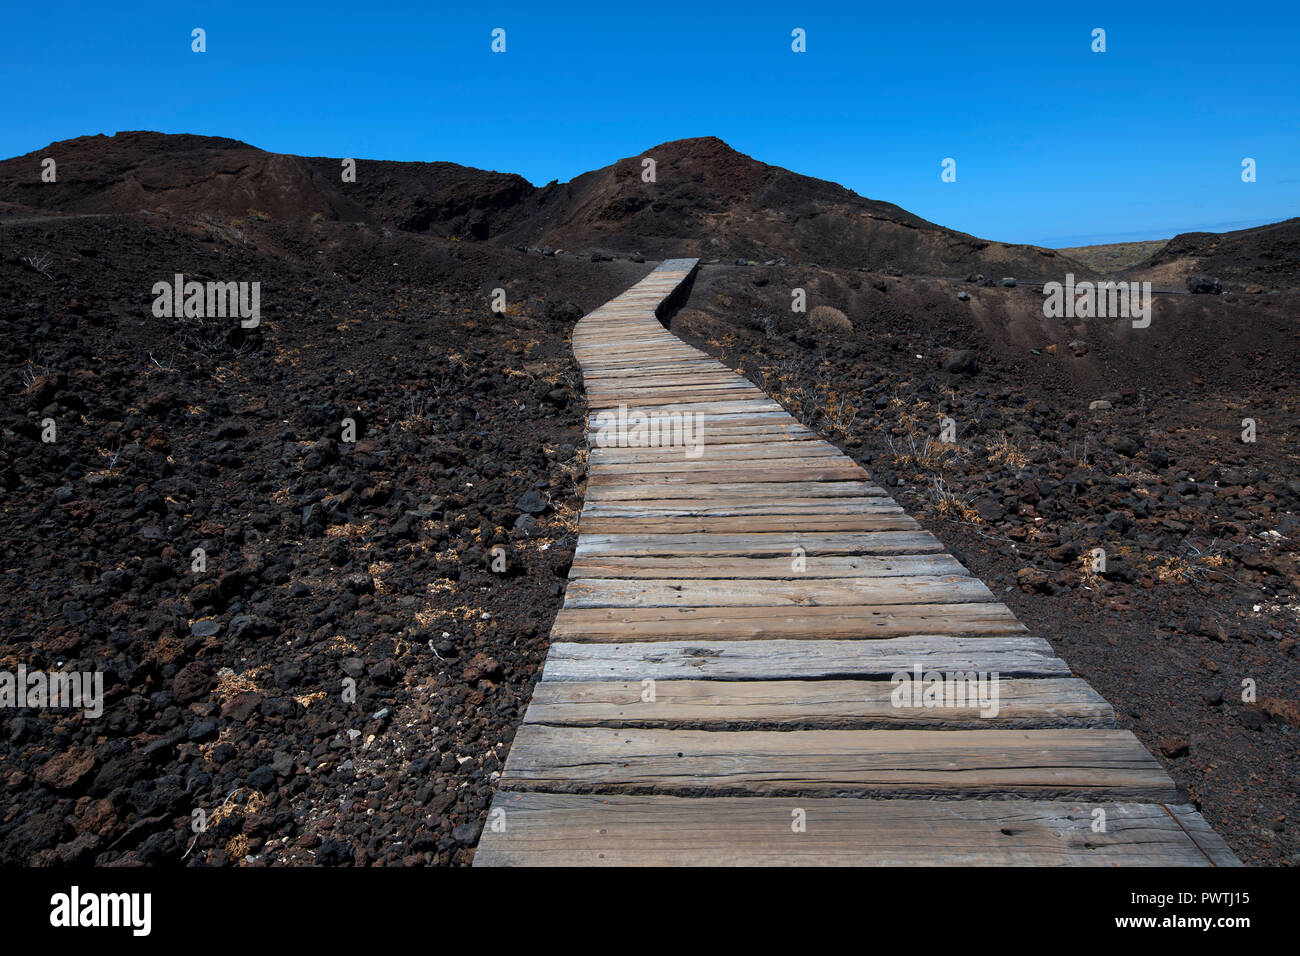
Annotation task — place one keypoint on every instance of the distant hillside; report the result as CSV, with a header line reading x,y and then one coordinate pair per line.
x,y
144,171
708,200
1114,256
1265,257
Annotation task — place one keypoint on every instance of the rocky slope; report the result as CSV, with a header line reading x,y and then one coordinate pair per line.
x,y
1252,260
327,561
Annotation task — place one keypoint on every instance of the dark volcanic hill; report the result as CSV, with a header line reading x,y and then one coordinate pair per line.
x,y
1265,256
143,171
155,172
707,200
711,201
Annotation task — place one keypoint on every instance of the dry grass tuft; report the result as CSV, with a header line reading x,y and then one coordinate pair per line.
x,y
1002,452
1193,564
948,504
230,684
828,319
930,454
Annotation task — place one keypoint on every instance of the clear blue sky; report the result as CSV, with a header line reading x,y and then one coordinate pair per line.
x,y
1055,145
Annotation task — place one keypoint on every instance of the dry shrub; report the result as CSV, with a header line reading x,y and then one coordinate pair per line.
x,y
825,318
948,504
1003,452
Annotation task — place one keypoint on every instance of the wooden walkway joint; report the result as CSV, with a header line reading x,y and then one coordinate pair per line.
x,y
725,678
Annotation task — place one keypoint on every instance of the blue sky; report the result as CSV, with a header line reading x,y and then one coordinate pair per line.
x,y
1055,145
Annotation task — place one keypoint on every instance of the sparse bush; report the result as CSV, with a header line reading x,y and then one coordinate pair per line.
x,y
929,455
948,504
827,319
1003,452
38,262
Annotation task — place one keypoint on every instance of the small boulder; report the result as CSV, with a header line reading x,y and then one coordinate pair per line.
x,y
563,311
1174,747
333,853
191,682
962,362
532,502
67,770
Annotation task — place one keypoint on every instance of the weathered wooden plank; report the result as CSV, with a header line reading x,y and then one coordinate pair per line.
x,y
728,491
758,543
1200,833
680,463
665,396
814,566
744,524
652,475
593,369
862,621
720,436
744,417
693,379
721,592
669,393
615,365
650,370
736,428
753,451
800,660
686,385
715,508
641,377
633,341
1055,764
684,467
632,390
551,829
738,406
826,705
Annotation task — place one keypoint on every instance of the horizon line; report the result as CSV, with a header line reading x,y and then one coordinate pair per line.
x,y
1057,243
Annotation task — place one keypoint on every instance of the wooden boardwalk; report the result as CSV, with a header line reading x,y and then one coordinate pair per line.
x,y
720,684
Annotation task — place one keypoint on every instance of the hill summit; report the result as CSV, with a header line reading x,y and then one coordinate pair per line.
x,y
706,200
